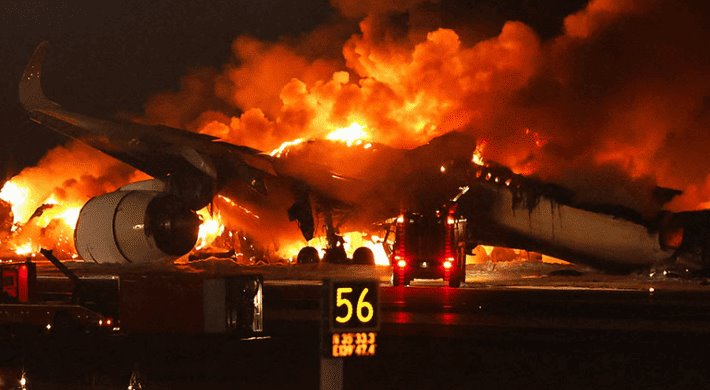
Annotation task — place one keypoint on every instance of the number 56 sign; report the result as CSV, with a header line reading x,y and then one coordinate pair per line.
x,y
353,306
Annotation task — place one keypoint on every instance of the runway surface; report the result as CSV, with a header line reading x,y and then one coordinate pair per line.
x,y
510,326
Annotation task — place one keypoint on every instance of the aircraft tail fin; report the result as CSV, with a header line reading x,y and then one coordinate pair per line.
x,y
30,91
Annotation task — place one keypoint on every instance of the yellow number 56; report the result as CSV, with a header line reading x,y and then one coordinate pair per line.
x,y
362,306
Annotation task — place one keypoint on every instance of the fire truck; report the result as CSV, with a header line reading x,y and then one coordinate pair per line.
x,y
429,246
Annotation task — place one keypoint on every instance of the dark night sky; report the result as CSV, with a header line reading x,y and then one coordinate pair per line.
x,y
110,56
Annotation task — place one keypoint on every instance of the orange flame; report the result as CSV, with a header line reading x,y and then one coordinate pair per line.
x,y
211,228
25,249
283,148
354,134
37,223
478,153
17,196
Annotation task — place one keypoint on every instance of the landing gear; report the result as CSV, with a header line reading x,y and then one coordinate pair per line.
x,y
308,255
335,255
334,252
364,256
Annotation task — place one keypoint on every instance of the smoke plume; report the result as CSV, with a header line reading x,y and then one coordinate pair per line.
x,y
615,104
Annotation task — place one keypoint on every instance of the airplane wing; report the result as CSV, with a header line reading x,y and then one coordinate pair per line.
x,y
189,159
195,166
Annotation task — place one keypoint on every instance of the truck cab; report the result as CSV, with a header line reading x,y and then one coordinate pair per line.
x,y
429,246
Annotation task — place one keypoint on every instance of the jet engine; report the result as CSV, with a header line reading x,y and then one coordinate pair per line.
x,y
135,227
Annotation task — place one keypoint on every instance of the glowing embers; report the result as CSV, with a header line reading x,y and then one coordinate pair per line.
x,y
498,175
537,140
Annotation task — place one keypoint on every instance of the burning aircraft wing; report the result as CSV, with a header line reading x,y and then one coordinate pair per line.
x,y
196,164
190,170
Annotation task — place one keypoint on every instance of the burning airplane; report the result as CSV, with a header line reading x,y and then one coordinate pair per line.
x,y
390,106
156,220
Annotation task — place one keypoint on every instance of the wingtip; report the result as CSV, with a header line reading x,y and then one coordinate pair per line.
x,y
30,91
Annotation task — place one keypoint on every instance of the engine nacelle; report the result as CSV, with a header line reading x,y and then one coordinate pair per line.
x,y
135,227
